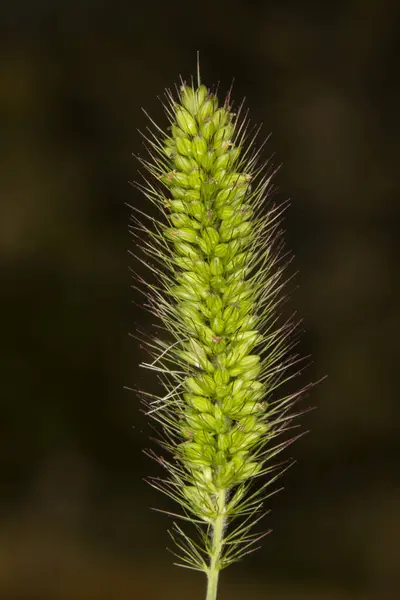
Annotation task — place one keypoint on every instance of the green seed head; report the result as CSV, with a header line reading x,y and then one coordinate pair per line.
x,y
213,250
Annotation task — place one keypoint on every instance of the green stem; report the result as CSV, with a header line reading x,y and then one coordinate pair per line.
x,y
217,545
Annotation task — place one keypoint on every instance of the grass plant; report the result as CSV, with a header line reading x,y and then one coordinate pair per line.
x,y
212,245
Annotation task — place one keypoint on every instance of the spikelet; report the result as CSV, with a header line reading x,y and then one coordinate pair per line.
x,y
216,264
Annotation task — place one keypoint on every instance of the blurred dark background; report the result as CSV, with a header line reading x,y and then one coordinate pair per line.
x,y
323,78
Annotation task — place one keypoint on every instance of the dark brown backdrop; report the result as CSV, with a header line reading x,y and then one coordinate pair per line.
x,y
323,78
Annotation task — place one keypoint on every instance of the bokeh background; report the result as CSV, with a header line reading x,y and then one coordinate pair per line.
x,y
323,78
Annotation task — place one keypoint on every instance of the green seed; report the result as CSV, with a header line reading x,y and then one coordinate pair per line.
x,y
189,99
199,147
184,146
220,118
221,250
183,163
197,209
222,161
186,122
201,95
207,129
177,206
223,134
207,160
206,110
177,192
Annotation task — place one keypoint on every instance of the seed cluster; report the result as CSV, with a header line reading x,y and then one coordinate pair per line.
x,y
215,263
212,229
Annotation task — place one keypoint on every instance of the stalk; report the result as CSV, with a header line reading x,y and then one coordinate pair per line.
x,y
216,551
222,350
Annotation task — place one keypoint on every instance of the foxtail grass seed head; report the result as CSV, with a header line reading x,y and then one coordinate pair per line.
x,y
215,282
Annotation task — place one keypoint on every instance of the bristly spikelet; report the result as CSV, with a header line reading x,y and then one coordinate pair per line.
x,y
216,256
